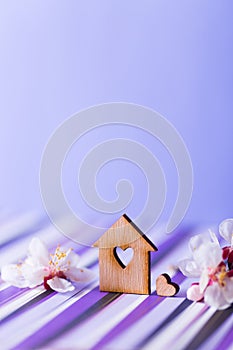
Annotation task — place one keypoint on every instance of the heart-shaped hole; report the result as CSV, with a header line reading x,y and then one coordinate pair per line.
x,y
123,256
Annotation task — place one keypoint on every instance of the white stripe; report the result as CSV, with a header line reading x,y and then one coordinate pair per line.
x,y
88,257
40,315
44,312
167,337
17,226
4,285
115,312
13,305
10,307
182,340
141,329
100,324
218,335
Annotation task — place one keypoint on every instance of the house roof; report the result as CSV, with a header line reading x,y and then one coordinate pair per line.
x,y
123,232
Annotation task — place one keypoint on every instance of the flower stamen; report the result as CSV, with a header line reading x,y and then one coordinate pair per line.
x,y
221,277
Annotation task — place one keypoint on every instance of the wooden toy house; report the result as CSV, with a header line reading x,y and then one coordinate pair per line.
x,y
114,275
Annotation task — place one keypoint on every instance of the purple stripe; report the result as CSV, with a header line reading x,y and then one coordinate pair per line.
x,y
10,293
39,299
151,302
89,305
133,317
227,340
59,323
174,240
14,292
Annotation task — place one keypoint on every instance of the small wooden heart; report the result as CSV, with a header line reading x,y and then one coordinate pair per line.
x,y
123,256
164,286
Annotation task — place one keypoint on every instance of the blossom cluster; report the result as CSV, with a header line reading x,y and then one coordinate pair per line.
x,y
56,271
214,267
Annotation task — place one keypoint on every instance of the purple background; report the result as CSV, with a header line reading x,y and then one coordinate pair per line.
x,y
58,57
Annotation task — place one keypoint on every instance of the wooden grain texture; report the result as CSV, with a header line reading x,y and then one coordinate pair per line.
x,y
114,276
165,287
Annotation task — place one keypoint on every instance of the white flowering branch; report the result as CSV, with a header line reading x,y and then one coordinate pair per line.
x,y
214,267
56,271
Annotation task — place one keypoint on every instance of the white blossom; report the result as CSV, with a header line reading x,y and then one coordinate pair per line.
x,y
56,271
215,278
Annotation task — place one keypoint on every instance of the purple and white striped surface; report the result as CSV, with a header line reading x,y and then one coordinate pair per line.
x,y
89,319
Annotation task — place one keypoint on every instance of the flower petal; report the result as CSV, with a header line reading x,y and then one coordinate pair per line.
x,y
34,275
204,280
73,258
38,252
189,268
13,274
79,274
214,297
194,294
208,255
213,237
60,285
196,241
226,230
228,290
